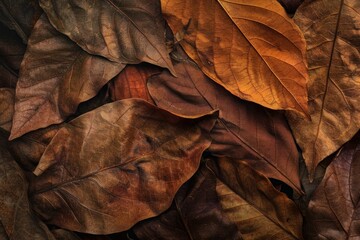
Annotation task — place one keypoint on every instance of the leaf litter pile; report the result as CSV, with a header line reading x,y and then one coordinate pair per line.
x,y
179,119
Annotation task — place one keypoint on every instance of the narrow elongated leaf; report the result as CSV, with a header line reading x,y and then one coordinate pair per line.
x,y
117,165
250,200
16,217
250,47
121,31
334,211
333,46
131,82
20,16
56,75
243,130
7,99
196,213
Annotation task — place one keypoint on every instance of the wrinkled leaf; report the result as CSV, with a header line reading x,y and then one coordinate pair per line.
x,y
334,211
250,47
7,100
249,199
333,43
114,166
16,216
196,213
121,31
131,82
20,16
56,75
243,130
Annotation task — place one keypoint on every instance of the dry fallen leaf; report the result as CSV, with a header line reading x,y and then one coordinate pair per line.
x,y
333,54
116,165
244,130
122,31
16,216
131,82
56,75
334,211
196,213
7,99
252,48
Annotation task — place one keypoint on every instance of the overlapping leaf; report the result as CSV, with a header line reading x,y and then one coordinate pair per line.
x,y
244,130
16,217
250,47
56,75
334,211
131,82
122,31
117,165
333,47
7,99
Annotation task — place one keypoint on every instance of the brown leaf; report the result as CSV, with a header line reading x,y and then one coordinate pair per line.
x,y
249,199
196,213
119,164
333,53
7,100
56,75
250,47
244,130
16,216
20,16
121,31
334,211
131,82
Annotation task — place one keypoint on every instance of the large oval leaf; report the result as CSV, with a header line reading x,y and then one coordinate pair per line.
x,y
56,75
117,165
334,210
121,31
244,129
333,52
250,47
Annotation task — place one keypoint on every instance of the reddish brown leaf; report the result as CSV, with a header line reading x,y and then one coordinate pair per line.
x,y
56,75
16,216
7,99
334,210
131,82
243,130
333,53
196,213
119,164
252,48
121,31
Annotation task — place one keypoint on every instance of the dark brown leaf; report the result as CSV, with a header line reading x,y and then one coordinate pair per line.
x,y
20,16
7,99
334,210
131,82
56,75
333,51
119,164
61,234
196,213
249,199
244,130
121,31
16,216
252,48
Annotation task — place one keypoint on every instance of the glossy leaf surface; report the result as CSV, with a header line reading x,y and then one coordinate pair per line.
x,y
119,164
